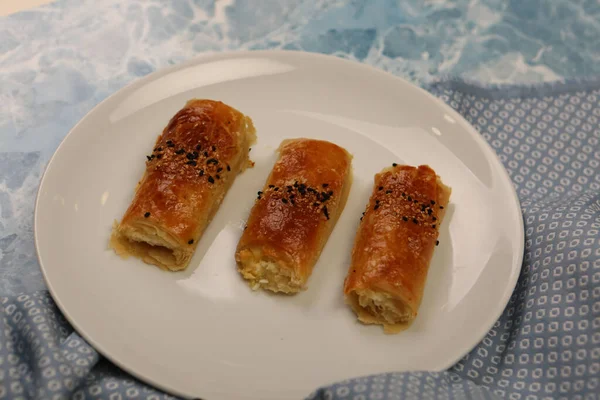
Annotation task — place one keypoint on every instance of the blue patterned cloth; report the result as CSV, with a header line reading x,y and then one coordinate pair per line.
x,y
546,345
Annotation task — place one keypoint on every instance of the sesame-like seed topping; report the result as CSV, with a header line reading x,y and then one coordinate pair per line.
x,y
326,212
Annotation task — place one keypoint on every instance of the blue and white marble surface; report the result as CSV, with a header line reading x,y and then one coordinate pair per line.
x,y
59,60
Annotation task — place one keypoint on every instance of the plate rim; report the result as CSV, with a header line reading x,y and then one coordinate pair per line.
x,y
213,56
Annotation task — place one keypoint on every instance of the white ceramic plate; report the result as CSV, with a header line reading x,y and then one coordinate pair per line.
x,y
202,332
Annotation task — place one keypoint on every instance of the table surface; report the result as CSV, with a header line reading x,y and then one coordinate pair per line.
x,y
59,60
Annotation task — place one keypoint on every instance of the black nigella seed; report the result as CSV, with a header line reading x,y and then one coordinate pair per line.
x,y
149,158
296,184
433,226
376,207
212,161
169,142
415,221
218,176
201,172
228,168
361,218
326,212
198,147
315,203
259,193
432,202
189,156
276,189
376,201
191,241
159,149
192,163
211,179
437,242
330,193
422,208
409,198
292,201
214,148
180,151
292,196
249,149
434,218
394,165
429,211
441,207
325,185
388,191
271,186
146,215
284,201
206,154
219,169
404,219
380,187
415,201
403,194
158,157
289,189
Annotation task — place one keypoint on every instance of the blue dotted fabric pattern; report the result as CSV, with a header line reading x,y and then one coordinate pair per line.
x,y
546,345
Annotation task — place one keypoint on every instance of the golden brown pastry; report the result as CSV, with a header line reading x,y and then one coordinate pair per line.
x,y
194,162
294,215
394,245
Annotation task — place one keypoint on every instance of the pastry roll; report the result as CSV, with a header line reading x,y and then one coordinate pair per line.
x,y
394,245
193,164
294,214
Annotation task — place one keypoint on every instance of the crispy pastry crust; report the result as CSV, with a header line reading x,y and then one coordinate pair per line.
x,y
394,246
294,215
194,162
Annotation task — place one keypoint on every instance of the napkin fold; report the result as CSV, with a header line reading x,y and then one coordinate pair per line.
x,y
546,344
